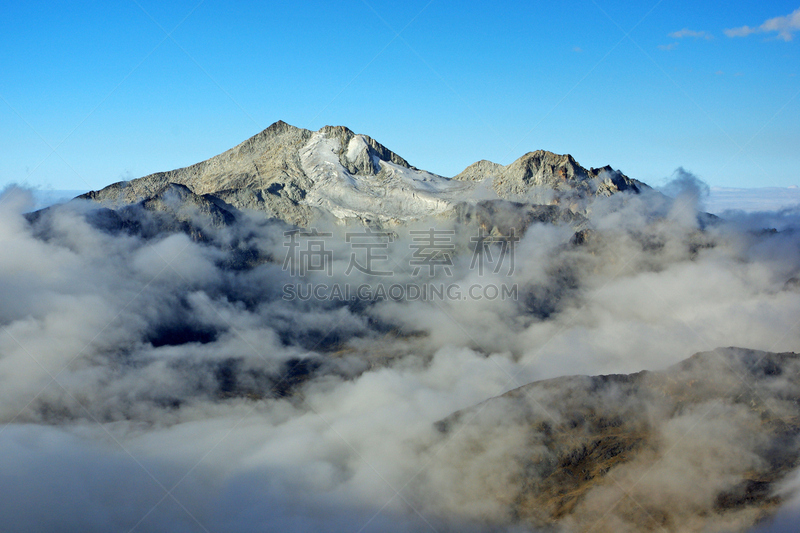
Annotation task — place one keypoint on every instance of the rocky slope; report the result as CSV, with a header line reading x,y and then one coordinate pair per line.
x,y
546,171
298,176
696,447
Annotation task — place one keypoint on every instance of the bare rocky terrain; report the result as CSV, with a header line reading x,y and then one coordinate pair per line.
x,y
298,176
580,442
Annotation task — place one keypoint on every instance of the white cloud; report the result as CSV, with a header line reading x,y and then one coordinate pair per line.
x,y
686,32
784,26
97,310
670,46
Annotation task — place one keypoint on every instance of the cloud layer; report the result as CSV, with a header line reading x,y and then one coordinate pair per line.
x,y
164,384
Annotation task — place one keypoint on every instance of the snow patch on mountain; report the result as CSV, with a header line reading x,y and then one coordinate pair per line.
x,y
394,193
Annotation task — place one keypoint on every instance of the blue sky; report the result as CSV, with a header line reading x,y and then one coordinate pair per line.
x,y
95,92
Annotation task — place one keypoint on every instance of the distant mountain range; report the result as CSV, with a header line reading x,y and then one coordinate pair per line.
x,y
298,176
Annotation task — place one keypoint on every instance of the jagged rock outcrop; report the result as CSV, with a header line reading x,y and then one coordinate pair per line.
x,y
545,171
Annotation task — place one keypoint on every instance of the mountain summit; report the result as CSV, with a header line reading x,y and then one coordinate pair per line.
x,y
297,175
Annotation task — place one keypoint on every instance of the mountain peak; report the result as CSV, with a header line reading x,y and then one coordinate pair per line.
x,y
296,174
359,153
279,126
480,171
337,130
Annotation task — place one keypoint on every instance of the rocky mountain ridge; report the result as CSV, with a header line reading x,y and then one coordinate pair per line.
x,y
298,176
699,446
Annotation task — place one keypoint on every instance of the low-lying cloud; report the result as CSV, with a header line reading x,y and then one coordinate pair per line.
x,y
165,384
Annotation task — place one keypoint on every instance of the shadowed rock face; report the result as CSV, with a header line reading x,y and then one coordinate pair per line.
x,y
503,218
298,176
696,447
173,208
